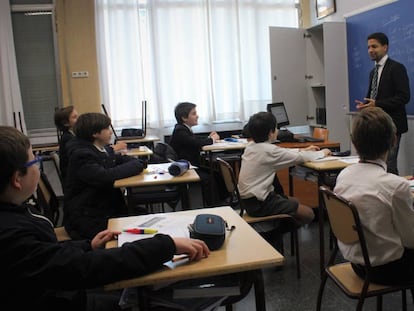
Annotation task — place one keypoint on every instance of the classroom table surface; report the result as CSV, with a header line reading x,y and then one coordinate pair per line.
x,y
157,174
141,151
243,250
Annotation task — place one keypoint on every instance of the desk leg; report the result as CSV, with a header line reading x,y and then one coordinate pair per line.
x,y
212,182
321,216
259,291
185,199
291,180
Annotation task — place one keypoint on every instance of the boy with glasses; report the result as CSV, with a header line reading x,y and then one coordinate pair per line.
x,y
42,273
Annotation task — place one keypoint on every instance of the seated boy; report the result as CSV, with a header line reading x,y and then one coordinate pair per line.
x,y
260,161
90,197
43,274
383,200
188,147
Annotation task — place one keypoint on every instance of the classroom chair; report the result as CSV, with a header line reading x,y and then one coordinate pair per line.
x,y
286,220
346,227
320,132
48,205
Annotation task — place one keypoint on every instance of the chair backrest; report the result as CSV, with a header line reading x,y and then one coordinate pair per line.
x,y
230,181
321,133
163,153
344,220
47,200
56,161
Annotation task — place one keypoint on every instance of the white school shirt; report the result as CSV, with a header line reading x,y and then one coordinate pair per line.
x,y
385,206
260,162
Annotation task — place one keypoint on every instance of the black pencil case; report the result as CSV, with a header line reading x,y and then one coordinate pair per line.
x,y
209,228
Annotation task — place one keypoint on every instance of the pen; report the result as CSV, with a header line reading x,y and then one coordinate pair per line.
x,y
180,258
141,231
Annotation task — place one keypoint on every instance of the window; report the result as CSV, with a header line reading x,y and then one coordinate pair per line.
x,y
35,54
213,53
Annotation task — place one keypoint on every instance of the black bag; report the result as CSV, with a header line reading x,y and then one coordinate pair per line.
x,y
131,132
209,228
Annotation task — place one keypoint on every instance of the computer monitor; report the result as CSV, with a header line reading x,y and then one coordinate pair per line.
x,y
279,111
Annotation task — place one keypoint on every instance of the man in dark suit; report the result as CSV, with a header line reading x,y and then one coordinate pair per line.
x,y
389,89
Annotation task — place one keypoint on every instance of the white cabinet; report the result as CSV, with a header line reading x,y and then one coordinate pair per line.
x,y
310,75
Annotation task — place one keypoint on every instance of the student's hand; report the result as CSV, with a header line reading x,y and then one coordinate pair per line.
x,y
214,136
102,237
327,152
120,147
368,103
195,249
311,148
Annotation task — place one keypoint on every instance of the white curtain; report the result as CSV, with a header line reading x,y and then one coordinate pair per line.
x,y
11,107
214,53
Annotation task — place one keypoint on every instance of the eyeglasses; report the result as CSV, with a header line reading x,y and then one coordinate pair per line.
x,y
36,161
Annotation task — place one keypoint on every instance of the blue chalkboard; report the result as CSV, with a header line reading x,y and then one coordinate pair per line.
x,y
397,22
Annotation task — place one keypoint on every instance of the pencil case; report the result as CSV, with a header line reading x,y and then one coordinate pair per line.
x,y
209,228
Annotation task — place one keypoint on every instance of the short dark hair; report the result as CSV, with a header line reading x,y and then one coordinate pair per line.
x,y
246,131
89,124
62,116
13,154
182,110
260,125
380,37
373,133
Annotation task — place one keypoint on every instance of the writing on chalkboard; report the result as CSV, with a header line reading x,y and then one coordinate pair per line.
x,y
396,21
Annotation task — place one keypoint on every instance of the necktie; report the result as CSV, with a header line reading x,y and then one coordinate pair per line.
x,y
374,83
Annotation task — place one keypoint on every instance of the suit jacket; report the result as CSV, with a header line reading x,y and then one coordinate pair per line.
x,y
187,145
393,93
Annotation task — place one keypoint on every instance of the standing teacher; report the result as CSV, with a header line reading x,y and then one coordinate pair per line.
x,y
388,89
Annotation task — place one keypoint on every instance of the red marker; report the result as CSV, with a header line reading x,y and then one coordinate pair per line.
x,y
141,231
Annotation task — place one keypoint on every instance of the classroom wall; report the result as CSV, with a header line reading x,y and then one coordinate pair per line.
x,y
77,52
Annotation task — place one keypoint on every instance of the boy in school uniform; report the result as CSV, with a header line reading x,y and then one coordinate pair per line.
x,y
384,202
90,197
41,273
65,120
260,161
188,147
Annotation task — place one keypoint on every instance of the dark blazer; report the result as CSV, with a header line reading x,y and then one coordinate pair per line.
x,y
39,273
90,197
393,93
187,145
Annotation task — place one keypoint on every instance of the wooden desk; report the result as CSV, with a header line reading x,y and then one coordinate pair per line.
x,y
324,144
150,177
243,250
142,151
147,140
45,148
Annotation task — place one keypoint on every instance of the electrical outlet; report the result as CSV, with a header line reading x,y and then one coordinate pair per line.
x,y
80,74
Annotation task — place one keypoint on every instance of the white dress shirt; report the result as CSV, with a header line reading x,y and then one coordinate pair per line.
x,y
385,206
260,162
